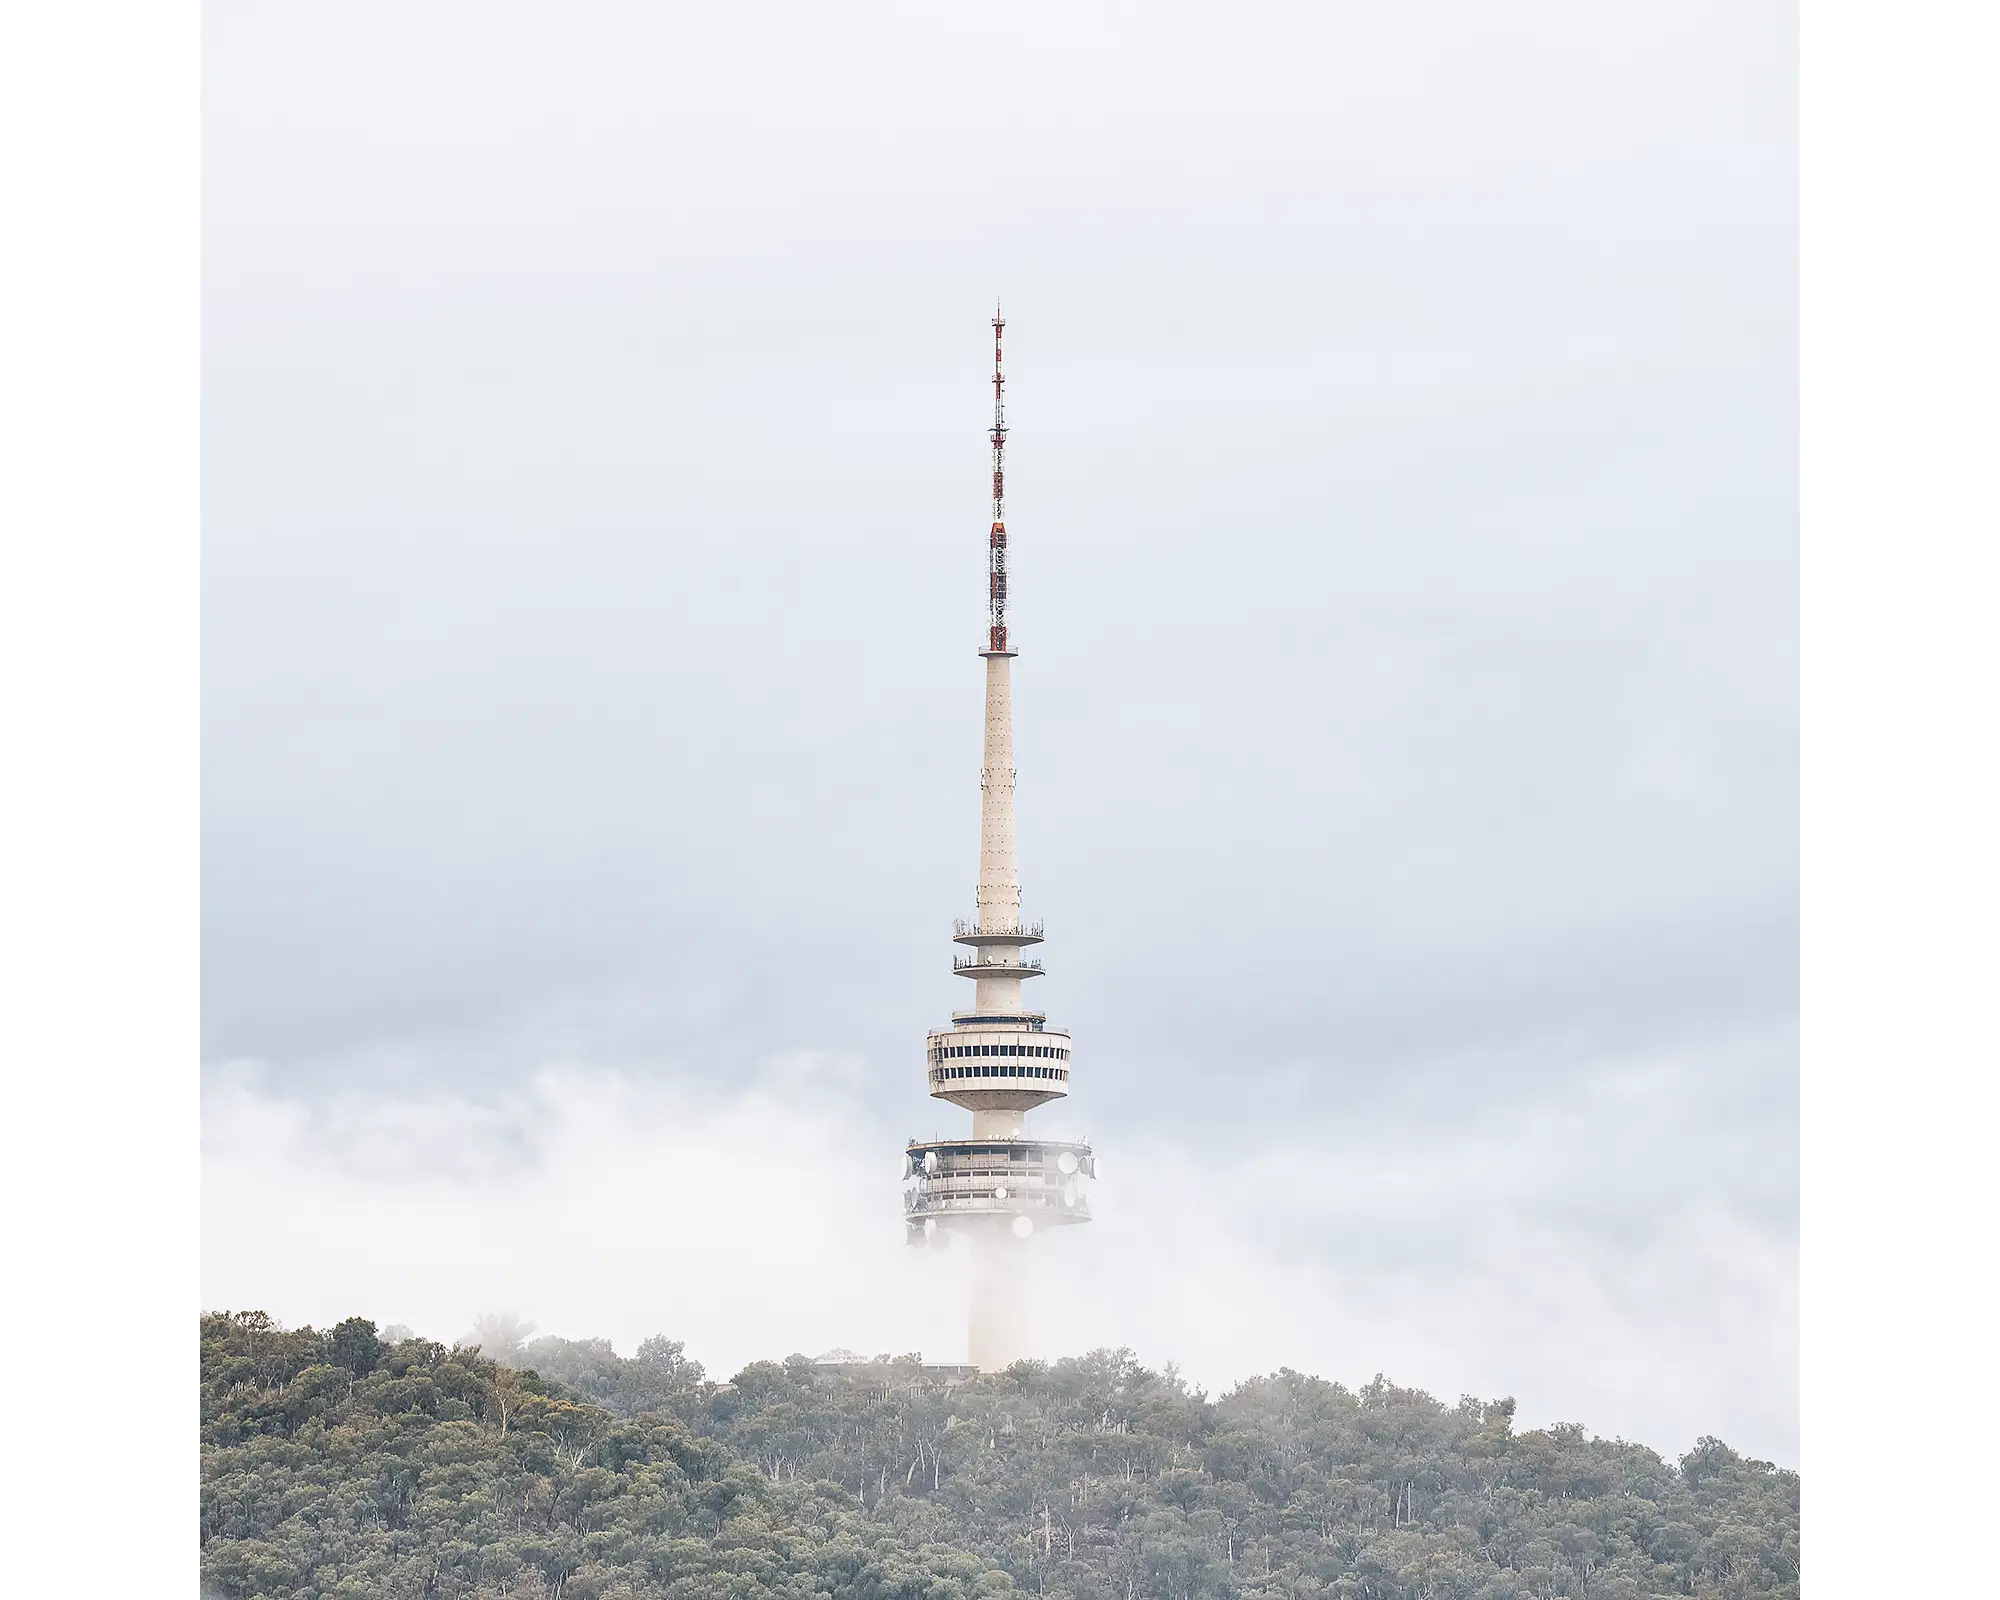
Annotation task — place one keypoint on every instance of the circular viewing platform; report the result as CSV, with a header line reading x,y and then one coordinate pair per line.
x,y
980,967
971,933
998,1067
968,1184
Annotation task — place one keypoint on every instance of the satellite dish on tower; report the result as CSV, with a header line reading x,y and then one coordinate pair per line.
x,y
1066,1162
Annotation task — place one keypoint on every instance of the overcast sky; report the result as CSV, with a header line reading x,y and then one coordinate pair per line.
x,y
1403,517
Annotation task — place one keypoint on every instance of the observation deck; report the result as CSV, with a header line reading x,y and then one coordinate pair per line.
x,y
986,1064
971,933
1022,1185
980,966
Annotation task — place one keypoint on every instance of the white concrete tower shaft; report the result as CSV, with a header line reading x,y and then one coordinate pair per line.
x,y
998,897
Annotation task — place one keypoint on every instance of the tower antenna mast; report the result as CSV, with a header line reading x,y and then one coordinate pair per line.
x,y
996,576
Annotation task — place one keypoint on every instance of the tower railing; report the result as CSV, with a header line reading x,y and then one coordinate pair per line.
x,y
961,929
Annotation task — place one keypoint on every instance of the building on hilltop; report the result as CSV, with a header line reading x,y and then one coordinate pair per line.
x,y
998,1060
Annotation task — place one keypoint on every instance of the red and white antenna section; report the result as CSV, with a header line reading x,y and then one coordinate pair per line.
x,y
996,577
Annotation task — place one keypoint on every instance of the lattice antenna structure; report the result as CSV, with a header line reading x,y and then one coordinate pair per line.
x,y
996,576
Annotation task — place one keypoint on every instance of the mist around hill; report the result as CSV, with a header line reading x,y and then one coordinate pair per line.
x,y
363,1462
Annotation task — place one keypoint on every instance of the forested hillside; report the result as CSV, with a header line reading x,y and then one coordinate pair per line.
x,y
341,1464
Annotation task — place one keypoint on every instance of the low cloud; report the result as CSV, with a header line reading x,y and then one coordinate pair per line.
x,y
1581,1255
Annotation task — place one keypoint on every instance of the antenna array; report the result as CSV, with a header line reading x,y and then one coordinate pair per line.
x,y
996,577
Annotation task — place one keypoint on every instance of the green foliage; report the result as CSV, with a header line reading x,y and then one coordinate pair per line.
x,y
659,1378
431,1472
438,1473
353,1345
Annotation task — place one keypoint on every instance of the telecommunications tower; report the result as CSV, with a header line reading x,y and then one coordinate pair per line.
x,y
999,1060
